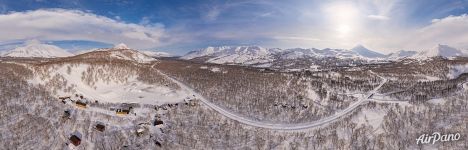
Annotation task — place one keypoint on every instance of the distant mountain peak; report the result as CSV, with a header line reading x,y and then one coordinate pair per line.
x,y
232,54
401,54
34,48
359,46
121,46
442,50
363,51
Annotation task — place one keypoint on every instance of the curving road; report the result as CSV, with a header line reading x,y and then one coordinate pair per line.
x,y
286,127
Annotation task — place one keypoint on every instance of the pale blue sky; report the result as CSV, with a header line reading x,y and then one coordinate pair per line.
x,y
178,26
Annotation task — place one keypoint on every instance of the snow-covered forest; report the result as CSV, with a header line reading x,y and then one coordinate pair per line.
x,y
178,104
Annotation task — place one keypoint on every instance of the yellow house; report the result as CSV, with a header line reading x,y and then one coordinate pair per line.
x,y
122,112
80,105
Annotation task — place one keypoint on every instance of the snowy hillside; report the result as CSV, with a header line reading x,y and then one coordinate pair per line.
x,y
132,55
106,84
120,51
401,54
36,49
236,55
156,54
361,50
249,55
441,50
317,53
121,46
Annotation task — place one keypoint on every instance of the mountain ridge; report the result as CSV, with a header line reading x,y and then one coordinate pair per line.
x,y
34,48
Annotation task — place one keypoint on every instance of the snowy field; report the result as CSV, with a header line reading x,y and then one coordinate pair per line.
x,y
128,90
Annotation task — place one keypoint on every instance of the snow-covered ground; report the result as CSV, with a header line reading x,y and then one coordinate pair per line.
x,y
457,70
283,127
373,117
134,56
129,90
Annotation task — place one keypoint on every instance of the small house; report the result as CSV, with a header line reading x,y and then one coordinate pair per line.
x,y
80,104
122,111
75,138
100,127
67,114
158,123
64,97
140,131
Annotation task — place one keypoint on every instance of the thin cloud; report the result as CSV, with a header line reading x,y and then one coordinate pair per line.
x,y
212,14
451,30
378,17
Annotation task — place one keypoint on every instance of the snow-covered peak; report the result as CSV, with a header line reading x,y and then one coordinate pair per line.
x,y
401,54
121,46
232,54
205,52
124,54
156,54
256,54
132,55
35,48
442,50
363,51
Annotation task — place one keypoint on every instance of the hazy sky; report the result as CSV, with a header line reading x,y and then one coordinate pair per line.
x,y
178,26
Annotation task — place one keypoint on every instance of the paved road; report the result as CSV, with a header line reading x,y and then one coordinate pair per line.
x,y
286,127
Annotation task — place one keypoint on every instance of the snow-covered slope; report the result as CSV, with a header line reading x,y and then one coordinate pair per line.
x,y
441,50
401,54
36,49
121,46
233,55
156,54
132,55
204,52
105,84
318,53
120,51
361,50
259,55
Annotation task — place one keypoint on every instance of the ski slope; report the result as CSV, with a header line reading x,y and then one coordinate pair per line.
x,y
284,127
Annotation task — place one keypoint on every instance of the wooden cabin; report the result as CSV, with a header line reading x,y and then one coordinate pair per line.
x,y
158,123
75,138
67,114
64,97
100,127
122,111
140,131
80,104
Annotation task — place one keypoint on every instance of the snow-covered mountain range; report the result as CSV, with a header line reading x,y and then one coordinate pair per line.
x,y
256,55
34,48
230,54
248,55
156,54
361,50
441,50
401,54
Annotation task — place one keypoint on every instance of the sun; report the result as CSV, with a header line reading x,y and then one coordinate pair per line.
x,y
343,29
342,17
